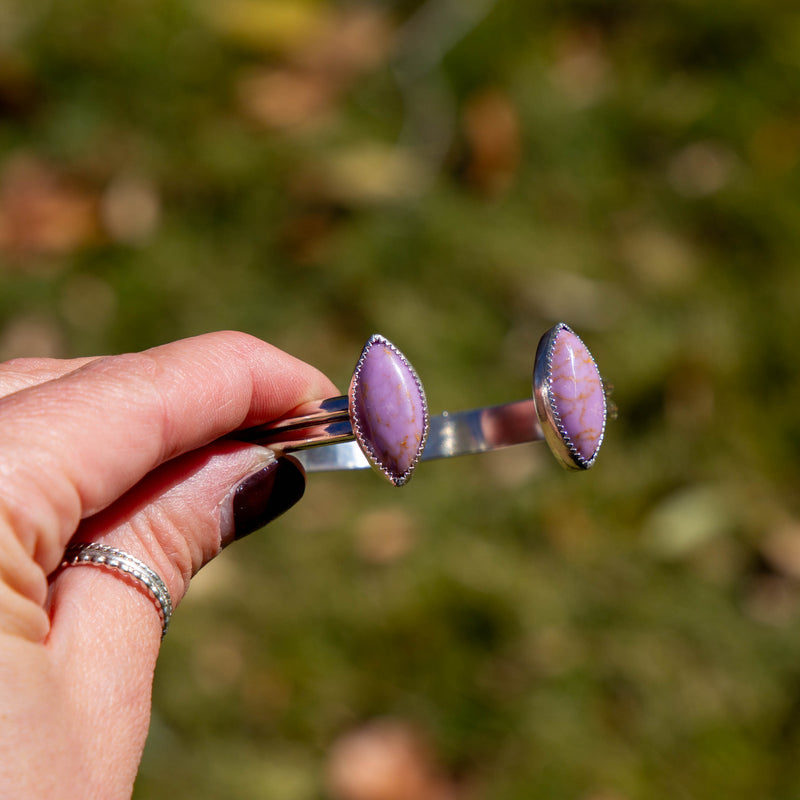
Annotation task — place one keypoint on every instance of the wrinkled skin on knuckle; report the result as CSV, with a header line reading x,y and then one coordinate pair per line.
x,y
23,589
41,510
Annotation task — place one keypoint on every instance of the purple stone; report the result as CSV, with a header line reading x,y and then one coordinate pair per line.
x,y
570,397
388,410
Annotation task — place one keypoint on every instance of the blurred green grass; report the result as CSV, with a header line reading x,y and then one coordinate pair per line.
x,y
457,177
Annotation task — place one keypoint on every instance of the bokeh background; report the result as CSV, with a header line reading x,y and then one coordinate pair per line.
x,y
457,175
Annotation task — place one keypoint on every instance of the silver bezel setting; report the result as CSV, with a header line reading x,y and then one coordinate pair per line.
x,y
363,441
553,428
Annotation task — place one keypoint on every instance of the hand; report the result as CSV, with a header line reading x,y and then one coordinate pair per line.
x,y
125,451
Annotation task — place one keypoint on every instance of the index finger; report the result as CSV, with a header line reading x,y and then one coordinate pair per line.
x,y
71,446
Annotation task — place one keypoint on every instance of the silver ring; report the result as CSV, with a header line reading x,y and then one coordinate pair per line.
x,y
103,556
568,410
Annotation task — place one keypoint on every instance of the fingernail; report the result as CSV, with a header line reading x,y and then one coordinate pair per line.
x,y
264,495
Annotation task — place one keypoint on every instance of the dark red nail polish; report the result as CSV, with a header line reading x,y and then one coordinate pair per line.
x,y
266,494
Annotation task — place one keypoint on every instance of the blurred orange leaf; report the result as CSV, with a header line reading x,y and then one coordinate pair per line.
x,y
40,212
494,138
385,760
285,98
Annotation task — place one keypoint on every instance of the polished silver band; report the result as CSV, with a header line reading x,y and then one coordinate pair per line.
x,y
451,434
104,556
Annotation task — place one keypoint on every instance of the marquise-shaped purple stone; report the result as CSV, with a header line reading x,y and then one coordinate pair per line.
x,y
388,410
577,392
570,397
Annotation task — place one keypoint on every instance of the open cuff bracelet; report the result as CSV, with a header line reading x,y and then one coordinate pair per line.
x,y
384,422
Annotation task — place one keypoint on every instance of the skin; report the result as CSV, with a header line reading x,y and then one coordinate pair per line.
x,y
122,450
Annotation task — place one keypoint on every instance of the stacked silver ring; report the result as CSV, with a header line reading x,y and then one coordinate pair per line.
x,y
105,556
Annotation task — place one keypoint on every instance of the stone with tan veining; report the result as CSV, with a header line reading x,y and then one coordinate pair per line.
x,y
577,393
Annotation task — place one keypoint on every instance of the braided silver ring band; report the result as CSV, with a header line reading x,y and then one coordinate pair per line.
x,y
103,556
